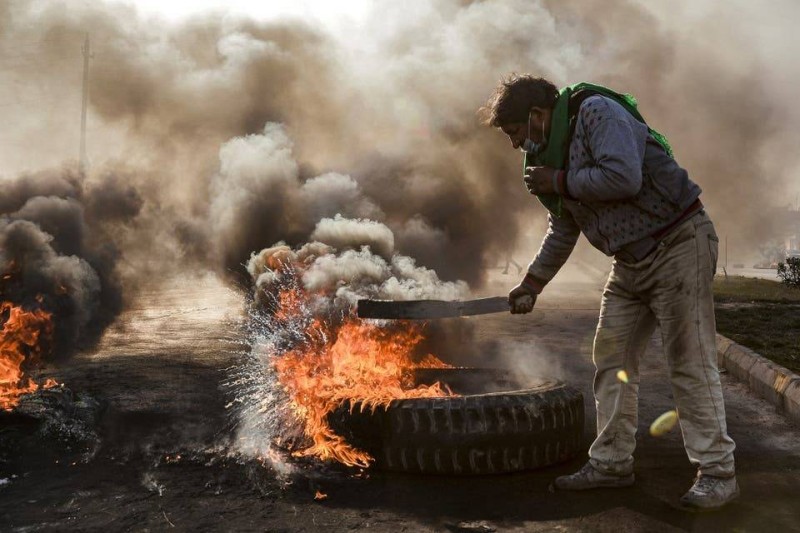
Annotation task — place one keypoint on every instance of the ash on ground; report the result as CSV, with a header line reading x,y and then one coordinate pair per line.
x,y
54,421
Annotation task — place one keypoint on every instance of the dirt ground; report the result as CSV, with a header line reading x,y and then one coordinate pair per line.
x,y
159,369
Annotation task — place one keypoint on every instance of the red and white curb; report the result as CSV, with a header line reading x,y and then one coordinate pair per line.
x,y
776,384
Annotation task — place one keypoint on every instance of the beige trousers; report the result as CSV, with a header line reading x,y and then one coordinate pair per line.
x,y
671,288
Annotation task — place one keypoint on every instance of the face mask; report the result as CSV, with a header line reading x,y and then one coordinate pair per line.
x,y
530,147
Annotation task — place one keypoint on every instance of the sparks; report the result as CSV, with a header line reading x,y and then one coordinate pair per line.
x,y
323,362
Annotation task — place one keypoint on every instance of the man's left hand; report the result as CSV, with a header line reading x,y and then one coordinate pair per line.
x,y
539,180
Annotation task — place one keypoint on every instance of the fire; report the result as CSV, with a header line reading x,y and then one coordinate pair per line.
x,y
22,340
352,363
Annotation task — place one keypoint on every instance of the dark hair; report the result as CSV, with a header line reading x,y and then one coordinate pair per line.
x,y
514,97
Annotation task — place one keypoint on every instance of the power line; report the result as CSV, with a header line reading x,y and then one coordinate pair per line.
x,y
39,40
38,101
16,54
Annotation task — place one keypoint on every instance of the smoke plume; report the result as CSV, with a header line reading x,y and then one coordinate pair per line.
x,y
214,137
55,252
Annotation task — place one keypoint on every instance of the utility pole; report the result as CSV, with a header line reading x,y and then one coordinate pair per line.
x,y
725,268
86,52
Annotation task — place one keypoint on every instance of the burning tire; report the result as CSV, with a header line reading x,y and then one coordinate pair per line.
x,y
495,425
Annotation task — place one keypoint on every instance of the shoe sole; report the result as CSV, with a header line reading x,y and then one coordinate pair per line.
x,y
689,506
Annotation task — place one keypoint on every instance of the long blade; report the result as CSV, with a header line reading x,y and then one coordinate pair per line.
x,y
427,309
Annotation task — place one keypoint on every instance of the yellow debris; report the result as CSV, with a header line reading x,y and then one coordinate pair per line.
x,y
664,423
622,376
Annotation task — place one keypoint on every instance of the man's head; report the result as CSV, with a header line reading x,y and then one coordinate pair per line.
x,y
521,106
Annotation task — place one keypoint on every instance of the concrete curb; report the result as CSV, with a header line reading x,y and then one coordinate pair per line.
x,y
776,384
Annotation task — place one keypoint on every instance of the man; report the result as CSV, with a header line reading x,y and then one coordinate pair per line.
x,y
601,171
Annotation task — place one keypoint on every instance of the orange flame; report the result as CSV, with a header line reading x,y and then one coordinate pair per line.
x,y
21,341
360,363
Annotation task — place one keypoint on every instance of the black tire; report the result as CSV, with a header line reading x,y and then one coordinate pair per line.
x,y
493,427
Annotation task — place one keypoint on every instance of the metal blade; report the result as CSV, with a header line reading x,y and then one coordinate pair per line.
x,y
427,309
483,306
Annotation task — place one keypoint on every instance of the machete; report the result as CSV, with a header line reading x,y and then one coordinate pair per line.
x,y
426,309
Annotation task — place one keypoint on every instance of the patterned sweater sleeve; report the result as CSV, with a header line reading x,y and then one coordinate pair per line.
x,y
614,142
557,245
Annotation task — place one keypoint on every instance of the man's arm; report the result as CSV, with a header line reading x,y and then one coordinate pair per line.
x,y
557,245
615,142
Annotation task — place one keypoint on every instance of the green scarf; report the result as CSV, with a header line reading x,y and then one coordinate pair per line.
x,y
555,153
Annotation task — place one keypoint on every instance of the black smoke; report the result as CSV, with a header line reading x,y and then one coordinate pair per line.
x,y
57,251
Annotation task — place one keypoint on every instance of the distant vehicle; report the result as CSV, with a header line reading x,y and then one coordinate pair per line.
x,y
772,265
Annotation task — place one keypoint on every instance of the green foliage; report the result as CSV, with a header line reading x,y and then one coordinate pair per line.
x,y
789,272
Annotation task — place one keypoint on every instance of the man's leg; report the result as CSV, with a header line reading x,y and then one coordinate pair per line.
x,y
684,306
624,328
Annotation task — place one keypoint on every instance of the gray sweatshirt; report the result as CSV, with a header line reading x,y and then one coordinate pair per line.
x,y
622,191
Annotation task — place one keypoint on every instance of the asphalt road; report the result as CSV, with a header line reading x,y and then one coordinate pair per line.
x,y
159,370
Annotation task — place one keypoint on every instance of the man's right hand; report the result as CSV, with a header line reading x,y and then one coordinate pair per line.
x,y
521,299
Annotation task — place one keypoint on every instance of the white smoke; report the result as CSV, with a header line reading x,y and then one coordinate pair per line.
x,y
343,233
335,194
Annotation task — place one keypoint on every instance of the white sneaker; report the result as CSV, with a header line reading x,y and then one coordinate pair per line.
x,y
709,492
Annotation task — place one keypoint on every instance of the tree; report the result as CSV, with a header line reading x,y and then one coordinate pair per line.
x,y
789,272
